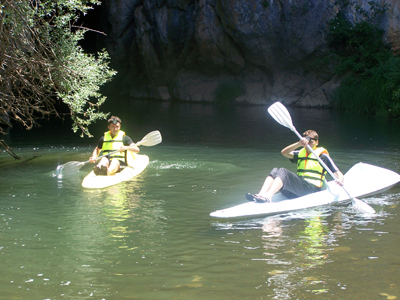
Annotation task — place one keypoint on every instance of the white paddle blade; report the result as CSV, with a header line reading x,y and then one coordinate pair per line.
x,y
70,167
151,139
279,112
362,206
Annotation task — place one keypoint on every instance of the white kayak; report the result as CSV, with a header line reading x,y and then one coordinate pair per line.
x,y
360,181
135,167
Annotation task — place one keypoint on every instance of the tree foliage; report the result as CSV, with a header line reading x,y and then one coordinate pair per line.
x,y
370,71
43,70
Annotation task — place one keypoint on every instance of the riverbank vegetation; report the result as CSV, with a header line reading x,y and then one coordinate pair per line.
x,y
43,70
370,71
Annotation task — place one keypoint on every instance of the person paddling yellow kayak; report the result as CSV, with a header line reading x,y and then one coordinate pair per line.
x,y
112,140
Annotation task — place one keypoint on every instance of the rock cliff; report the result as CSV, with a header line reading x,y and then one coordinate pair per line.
x,y
250,51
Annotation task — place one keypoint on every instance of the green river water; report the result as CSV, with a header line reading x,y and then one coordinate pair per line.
x,y
153,238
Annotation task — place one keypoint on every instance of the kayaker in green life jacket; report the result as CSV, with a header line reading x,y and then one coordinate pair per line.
x,y
310,175
114,139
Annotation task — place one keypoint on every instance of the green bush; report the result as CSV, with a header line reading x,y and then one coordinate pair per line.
x,y
370,72
43,70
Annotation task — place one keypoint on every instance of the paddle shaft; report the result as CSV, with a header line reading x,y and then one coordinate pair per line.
x,y
151,139
101,156
279,112
320,161
356,202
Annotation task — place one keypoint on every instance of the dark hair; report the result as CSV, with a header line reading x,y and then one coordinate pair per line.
x,y
114,120
312,134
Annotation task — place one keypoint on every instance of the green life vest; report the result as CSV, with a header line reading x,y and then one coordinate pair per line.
x,y
309,167
111,144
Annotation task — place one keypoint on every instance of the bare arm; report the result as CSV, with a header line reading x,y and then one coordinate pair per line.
x,y
132,147
288,151
95,153
340,178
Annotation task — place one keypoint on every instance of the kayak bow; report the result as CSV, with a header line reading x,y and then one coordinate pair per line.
x,y
93,181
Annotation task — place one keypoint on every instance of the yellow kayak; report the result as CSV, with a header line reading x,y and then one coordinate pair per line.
x,y
135,167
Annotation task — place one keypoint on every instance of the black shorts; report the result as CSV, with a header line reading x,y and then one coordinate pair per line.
x,y
293,185
121,163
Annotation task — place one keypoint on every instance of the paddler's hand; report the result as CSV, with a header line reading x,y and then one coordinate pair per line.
x,y
132,147
340,178
124,148
92,159
303,142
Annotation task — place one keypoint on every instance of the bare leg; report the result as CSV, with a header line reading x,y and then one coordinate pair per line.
x,y
114,167
276,186
103,162
267,185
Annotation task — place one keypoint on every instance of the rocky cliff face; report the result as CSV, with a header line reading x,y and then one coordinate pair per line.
x,y
251,51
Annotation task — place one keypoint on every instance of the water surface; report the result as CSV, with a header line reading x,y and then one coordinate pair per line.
x,y
153,238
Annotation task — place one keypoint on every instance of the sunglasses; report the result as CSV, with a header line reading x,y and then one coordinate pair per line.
x,y
309,138
113,121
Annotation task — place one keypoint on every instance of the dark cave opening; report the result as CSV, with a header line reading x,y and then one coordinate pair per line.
x,y
93,40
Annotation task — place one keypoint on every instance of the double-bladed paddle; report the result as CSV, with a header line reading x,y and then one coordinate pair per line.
x,y
279,112
151,139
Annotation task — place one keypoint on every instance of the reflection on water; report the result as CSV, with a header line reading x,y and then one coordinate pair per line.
x,y
308,251
152,237
289,256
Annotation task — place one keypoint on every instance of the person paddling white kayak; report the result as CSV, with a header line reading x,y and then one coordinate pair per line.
x,y
114,139
310,177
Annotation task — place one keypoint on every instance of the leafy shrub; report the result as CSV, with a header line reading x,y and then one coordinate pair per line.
x,y
370,72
